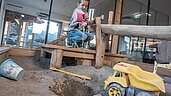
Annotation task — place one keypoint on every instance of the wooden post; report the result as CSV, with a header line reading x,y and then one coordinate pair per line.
x,y
100,47
56,58
42,53
110,21
115,38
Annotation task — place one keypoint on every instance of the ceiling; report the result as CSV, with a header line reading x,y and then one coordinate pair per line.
x,y
65,7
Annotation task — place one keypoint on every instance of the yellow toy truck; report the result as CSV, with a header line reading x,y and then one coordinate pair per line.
x,y
131,80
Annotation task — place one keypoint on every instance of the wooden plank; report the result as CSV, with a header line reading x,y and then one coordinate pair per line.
x,y
84,62
3,56
69,49
156,32
107,62
110,19
100,47
4,49
57,56
114,47
124,59
115,38
24,52
78,55
117,55
48,50
60,41
113,59
53,58
4,53
69,53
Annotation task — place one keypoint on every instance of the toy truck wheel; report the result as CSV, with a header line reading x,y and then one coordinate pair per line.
x,y
142,93
115,90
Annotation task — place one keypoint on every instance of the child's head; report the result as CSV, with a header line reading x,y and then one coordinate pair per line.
x,y
83,4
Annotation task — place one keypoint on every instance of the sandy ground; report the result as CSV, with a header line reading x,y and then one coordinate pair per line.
x,y
43,82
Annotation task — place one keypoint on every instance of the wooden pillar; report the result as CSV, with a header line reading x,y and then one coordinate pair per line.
x,y
115,38
56,58
42,53
100,46
110,21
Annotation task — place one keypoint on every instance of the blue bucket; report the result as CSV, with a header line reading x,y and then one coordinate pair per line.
x,y
11,70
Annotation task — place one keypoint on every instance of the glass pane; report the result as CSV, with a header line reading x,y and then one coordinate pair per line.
x,y
16,29
12,28
54,31
39,33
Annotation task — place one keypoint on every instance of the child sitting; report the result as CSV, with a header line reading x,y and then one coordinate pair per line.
x,y
78,24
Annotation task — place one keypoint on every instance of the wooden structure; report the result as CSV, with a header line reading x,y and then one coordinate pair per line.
x,y
24,52
100,57
156,32
157,65
88,56
12,51
4,52
117,20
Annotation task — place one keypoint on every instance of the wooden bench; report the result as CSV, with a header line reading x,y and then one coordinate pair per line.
x,y
85,54
4,53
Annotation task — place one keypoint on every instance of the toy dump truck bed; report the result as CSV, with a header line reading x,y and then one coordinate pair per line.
x,y
141,79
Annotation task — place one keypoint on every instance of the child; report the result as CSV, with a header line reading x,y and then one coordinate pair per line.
x,y
77,27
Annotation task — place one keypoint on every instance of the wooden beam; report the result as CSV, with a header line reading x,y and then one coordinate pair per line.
x,y
24,52
78,55
4,53
68,49
156,32
115,38
100,47
84,61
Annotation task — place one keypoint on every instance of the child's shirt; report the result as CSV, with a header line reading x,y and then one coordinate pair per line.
x,y
76,21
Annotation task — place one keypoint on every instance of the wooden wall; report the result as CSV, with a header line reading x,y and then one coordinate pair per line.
x,y
24,52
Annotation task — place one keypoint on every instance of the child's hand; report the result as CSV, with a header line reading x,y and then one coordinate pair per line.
x,y
84,24
86,16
